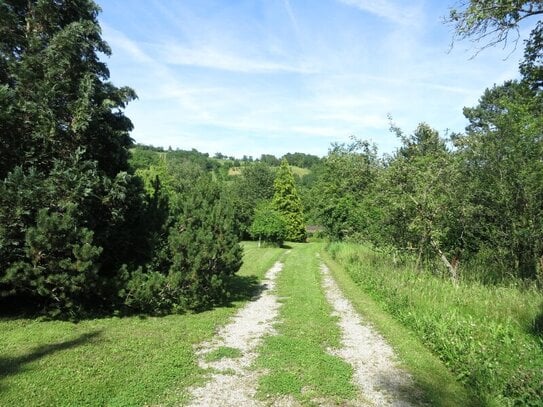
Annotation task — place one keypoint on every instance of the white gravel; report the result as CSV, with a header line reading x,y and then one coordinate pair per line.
x,y
376,372
231,382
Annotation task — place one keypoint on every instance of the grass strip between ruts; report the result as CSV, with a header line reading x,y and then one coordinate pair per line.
x,y
296,360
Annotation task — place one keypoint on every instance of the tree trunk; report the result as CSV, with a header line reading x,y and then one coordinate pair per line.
x,y
451,266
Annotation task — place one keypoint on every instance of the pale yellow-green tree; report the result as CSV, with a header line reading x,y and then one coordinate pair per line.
x,y
287,201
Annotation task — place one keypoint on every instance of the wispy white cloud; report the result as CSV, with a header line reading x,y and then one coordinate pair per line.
x,y
292,17
209,84
396,11
208,57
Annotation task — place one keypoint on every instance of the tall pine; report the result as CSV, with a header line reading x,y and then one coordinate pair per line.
x,y
68,208
287,201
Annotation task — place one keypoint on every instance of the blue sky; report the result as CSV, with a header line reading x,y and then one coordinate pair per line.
x,y
254,77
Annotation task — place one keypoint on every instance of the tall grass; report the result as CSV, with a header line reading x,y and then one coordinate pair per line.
x,y
488,335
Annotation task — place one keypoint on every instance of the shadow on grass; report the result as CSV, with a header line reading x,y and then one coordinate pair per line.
x,y
537,327
10,366
400,388
243,288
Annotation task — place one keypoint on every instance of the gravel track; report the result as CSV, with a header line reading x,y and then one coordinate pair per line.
x,y
233,383
376,373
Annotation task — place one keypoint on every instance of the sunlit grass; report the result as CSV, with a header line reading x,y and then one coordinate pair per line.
x,y
112,361
296,359
485,334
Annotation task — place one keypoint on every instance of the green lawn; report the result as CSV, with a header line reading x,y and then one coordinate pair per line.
x,y
113,361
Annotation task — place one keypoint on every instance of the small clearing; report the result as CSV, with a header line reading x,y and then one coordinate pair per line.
x,y
376,373
231,381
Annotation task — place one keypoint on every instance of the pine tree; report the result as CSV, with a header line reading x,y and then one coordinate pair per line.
x,y
55,87
63,158
204,247
287,201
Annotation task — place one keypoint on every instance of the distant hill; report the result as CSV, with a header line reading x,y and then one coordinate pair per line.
x,y
144,156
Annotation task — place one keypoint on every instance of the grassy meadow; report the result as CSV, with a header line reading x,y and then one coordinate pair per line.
x,y
469,345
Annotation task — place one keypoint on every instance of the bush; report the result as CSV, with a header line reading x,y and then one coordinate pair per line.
x,y
147,293
48,252
204,246
268,226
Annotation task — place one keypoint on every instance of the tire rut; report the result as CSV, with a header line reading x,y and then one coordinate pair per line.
x,y
231,381
376,373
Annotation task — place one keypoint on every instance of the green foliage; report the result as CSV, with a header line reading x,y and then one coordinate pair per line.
x,y
501,158
268,225
417,195
58,91
342,191
48,250
148,292
55,247
69,213
302,160
204,246
269,159
531,67
253,186
483,334
63,262
287,202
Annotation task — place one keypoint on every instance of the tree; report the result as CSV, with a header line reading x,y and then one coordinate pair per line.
x,y
268,226
204,246
64,151
253,186
417,197
492,21
287,202
501,154
48,250
302,160
343,191
56,87
269,159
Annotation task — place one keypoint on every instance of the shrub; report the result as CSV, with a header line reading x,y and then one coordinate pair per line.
x,y
268,226
204,246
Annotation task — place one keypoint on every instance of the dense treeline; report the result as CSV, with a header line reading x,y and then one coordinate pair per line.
x,y
473,200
